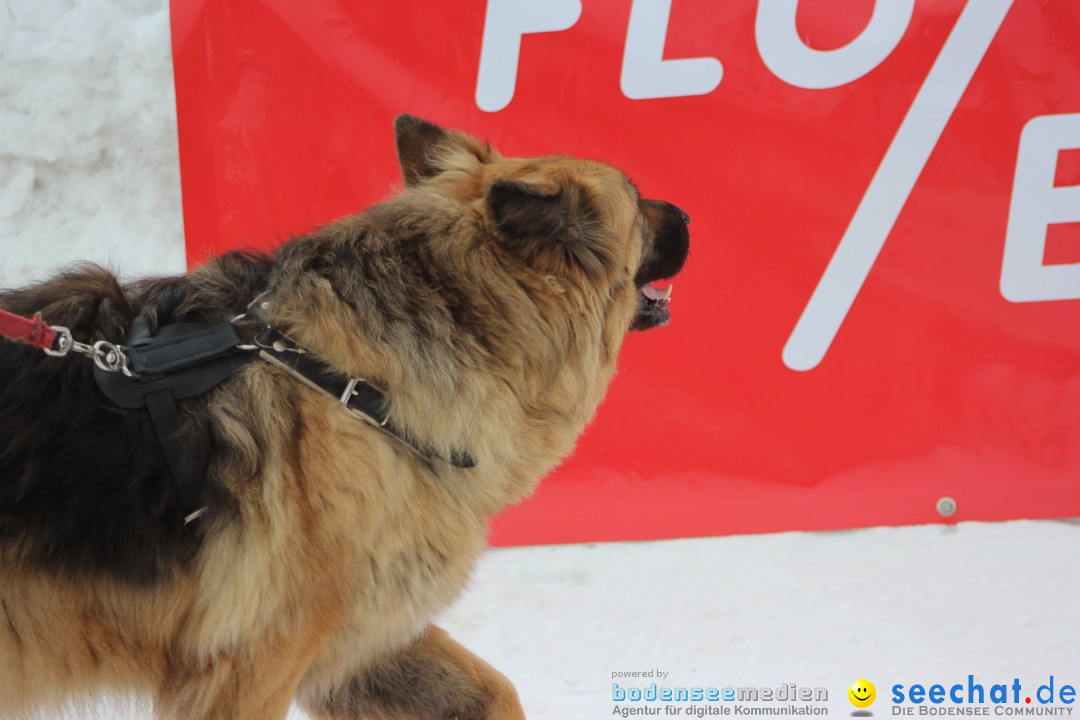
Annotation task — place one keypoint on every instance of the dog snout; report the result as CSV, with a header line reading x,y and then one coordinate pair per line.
x,y
670,240
663,215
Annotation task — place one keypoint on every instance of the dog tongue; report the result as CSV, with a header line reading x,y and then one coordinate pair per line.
x,y
656,293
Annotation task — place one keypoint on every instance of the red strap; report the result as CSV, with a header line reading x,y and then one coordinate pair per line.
x,y
32,331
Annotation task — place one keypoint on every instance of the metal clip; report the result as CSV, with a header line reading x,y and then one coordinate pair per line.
x,y
243,346
107,356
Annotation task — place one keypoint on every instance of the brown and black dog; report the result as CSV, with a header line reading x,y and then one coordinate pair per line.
x,y
488,301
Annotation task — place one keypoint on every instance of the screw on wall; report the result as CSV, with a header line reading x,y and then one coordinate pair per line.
x,y
946,506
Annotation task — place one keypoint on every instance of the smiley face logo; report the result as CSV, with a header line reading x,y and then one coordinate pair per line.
x,y
862,693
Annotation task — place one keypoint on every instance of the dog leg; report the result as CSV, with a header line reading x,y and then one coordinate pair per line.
x,y
433,679
228,689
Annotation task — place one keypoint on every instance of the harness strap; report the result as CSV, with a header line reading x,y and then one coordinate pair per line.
x,y
184,360
166,420
181,361
363,399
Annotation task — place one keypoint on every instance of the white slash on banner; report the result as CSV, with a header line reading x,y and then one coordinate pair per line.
x,y
893,181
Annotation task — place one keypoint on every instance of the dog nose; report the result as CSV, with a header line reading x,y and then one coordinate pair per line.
x,y
685,218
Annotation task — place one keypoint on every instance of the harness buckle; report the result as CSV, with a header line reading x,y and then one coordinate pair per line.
x,y
351,392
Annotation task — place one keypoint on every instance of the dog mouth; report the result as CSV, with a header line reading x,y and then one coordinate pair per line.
x,y
667,246
652,306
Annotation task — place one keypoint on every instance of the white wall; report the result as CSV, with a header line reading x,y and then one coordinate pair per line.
x,y
88,152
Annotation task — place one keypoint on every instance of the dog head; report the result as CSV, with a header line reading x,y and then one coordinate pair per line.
x,y
578,221
489,298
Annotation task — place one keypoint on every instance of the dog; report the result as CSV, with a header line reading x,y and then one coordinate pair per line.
x,y
485,303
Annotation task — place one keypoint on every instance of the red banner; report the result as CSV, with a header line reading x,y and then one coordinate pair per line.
x,y
881,310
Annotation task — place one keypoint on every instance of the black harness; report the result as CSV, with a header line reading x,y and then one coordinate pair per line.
x,y
185,360
179,362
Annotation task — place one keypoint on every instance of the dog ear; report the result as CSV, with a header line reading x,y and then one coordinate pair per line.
x,y
416,143
552,226
534,207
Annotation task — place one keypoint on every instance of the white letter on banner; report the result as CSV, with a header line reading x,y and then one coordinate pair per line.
x,y
506,22
1036,204
645,74
893,181
788,57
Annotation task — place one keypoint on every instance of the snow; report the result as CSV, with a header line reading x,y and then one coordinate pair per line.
x,y
927,605
89,171
88,153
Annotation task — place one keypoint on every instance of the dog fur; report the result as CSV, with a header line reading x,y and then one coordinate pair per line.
x,y
488,299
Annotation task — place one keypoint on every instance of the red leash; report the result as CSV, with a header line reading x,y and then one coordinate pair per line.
x,y
56,340
32,331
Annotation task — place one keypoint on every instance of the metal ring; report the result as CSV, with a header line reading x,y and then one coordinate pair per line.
x,y
108,356
64,342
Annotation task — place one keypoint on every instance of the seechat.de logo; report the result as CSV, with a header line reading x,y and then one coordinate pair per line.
x,y
862,693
